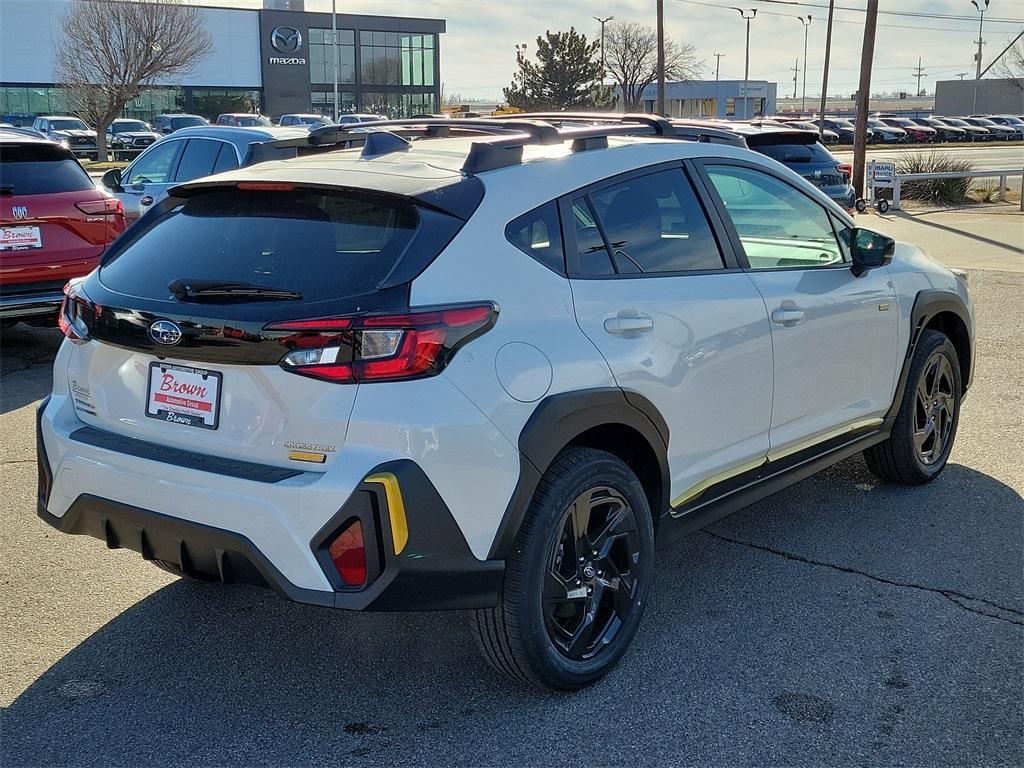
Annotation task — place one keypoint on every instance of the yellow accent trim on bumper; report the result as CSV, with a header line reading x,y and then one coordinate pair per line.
x,y
316,458
396,508
696,490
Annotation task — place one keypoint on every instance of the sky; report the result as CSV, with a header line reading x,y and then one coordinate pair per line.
x,y
478,58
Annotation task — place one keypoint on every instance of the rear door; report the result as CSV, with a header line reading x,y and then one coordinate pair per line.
x,y
833,334
675,318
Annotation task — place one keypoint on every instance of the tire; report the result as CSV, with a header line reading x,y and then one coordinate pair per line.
x,y
539,633
882,206
861,205
912,455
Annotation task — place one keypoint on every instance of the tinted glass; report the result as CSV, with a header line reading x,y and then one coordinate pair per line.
x,y
154,167
654,223
197,159
134,125
249,122
186,122
323,246
68,125
538,233
227,160
796,153
777,225
591,254
40,170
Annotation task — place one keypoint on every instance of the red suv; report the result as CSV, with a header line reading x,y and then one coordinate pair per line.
x,y
54,225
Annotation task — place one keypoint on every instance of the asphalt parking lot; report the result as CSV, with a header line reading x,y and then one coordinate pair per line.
x,y
842,622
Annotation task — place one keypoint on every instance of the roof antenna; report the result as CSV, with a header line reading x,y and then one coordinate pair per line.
x,y
383,143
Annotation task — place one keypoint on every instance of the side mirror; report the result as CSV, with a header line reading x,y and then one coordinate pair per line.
x,y
870,250
112,180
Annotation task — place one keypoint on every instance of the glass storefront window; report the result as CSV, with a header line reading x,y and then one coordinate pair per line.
x,y
321,63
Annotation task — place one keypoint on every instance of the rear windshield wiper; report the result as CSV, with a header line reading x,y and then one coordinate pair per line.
x,y
198,290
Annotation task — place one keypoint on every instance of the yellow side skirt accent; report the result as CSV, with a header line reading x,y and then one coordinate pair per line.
x,y
396,508
698,489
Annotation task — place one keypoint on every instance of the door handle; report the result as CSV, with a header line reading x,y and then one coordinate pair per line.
x,y
788,317
632,324
146,200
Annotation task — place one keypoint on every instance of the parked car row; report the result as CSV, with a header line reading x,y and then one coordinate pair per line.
x,y
886,128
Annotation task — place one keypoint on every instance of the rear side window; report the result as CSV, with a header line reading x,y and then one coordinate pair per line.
x,y
794,153
538,234
227,160
655,224
197,159
27,169
324,246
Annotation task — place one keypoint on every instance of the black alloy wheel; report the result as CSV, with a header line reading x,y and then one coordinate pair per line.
x,y
590,587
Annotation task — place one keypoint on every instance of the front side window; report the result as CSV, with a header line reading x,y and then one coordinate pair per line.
x,y
538,234
154,167
655,224
778,226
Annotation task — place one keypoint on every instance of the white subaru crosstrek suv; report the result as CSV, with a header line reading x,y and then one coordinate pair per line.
x,y
488,371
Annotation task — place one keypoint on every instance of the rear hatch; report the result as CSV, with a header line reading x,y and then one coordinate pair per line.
x,y
192,314
801,152
54,222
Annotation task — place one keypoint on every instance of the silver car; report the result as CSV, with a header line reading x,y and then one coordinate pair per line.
x,y
185,155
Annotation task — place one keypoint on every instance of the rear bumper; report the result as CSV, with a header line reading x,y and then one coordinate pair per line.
x,y
15,305
433,569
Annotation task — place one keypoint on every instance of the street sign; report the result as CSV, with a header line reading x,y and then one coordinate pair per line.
x,y
883,174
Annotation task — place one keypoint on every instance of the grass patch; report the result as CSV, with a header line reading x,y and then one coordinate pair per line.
x,y
944,191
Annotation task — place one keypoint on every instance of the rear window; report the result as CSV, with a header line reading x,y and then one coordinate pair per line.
x,y
795,153
27,169
324,246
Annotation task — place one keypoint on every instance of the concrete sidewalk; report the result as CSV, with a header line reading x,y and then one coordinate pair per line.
x,y
970,237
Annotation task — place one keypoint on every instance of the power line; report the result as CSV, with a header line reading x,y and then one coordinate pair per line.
x,y
912,14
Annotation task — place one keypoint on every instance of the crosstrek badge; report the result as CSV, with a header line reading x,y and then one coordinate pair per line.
x,y
183,395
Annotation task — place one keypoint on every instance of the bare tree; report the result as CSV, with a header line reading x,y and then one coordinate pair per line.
x,y
1011,65
113,49
631,58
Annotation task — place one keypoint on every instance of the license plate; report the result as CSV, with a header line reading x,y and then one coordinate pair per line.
x,y
20,238
182,395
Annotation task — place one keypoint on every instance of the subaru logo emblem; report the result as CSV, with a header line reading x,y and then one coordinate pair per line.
x,y
286,39
19,212
165,332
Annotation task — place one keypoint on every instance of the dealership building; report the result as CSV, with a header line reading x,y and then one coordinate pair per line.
x,y
272,60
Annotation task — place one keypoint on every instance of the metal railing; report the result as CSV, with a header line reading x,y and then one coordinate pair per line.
x,y
1002,173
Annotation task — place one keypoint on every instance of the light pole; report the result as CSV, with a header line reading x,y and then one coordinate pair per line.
x,y
981,7
334,50
806,21
660,9
602,22
746,64
718,66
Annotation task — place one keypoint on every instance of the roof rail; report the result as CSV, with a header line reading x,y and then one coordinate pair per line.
x,y
663,127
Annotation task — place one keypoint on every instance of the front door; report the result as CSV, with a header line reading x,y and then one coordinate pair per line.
x,y
146,181
675,322
833,334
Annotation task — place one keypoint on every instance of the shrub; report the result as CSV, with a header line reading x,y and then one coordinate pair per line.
x,y
934,190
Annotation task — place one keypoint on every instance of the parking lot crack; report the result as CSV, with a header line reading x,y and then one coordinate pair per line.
x,y
976,605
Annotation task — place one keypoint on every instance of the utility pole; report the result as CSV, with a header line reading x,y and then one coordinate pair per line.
x,y
806,21
334,50
746,63
602,22
661,58
981,22
824,76
796,72
864,97
961,75
718,65
919,73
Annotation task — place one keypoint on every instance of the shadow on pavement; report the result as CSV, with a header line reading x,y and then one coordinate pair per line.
x,y
746,656
920,218
26,365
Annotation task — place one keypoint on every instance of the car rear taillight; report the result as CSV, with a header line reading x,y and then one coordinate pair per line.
x,y
69,319
105,207
845,169
348,553
386,347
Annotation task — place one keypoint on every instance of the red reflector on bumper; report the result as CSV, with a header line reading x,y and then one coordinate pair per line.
x,y
348,553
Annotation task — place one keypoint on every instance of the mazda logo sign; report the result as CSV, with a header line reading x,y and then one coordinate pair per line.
x,y
165,332
286,39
